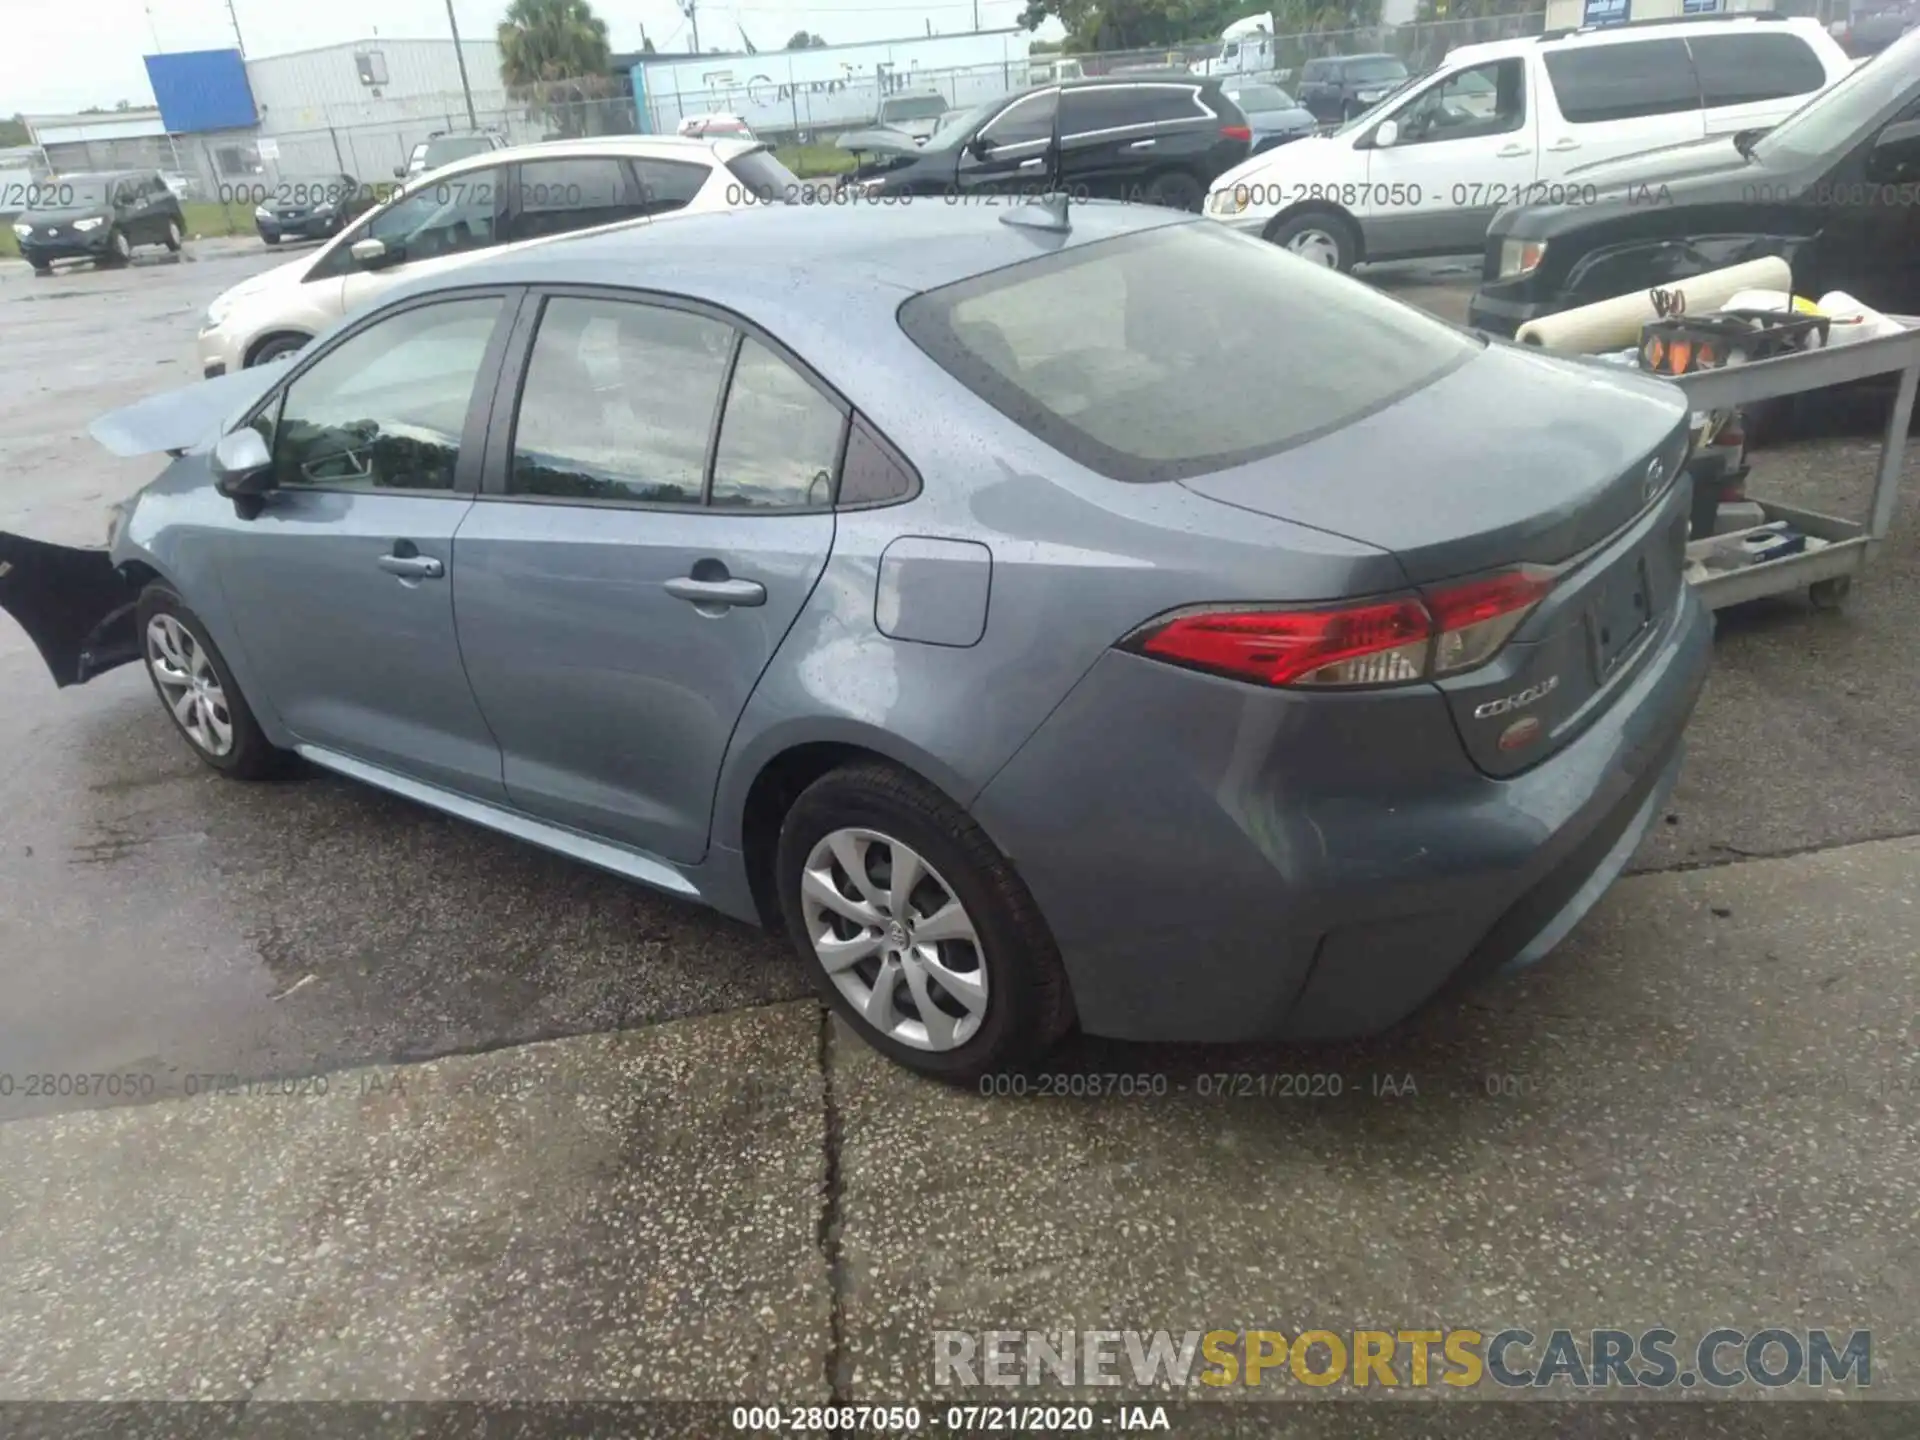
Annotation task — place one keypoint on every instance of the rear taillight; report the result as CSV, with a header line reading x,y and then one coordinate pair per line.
x,y
1377,642
1472,621
1237,132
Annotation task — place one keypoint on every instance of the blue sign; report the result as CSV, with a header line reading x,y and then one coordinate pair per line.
x,y
1606,12
1699,7
200,90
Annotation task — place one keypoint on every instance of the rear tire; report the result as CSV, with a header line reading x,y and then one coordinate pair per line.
x,y
1176,190
1318,236
991,974
198,691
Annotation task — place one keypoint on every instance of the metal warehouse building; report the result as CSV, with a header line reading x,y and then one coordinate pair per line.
x,y
223,121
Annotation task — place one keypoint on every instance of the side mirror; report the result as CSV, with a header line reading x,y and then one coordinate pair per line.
x,y
369,252
1385,135
1896,153
242,464
980,146
399,172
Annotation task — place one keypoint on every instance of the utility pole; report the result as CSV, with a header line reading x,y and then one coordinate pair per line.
x,y
691,9
238,43
460,55
976,17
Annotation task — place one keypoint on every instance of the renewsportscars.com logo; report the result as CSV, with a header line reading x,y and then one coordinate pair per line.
x,y
1656,1359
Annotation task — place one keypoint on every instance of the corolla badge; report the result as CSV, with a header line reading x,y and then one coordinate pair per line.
x,y
1519,700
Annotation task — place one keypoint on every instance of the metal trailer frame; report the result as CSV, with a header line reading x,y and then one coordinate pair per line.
x,y
1827,572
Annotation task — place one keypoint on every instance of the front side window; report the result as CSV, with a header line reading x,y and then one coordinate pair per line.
x,y
1179,351
1746,69
1839,117
555,197
779,437
618,403
384,409
1024,122
1489,99
1597,83
443,217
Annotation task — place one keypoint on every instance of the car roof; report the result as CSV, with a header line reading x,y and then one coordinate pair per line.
x,y
1678,27
715,149
825,280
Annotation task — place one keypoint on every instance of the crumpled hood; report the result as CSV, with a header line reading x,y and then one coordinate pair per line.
x,y
879,142
184,419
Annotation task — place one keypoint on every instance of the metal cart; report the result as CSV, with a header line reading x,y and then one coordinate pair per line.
x,y
1825,572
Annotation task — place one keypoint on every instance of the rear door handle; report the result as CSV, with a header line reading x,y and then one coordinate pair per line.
x,y
412,567
717,592
1141,144
1033,164
1559,145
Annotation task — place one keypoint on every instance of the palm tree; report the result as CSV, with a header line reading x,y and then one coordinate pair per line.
x,y
554,54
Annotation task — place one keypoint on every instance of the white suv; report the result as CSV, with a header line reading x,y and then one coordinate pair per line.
x,y
1424,171
477,205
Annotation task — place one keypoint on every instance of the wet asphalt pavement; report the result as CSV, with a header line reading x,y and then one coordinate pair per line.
x,y
1716,1124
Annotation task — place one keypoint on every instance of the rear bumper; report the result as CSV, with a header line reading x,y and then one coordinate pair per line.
x,y
1279,866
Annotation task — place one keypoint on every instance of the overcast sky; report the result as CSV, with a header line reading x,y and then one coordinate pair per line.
x,y
59,55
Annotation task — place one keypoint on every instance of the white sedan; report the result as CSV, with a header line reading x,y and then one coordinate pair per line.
x,y
477,206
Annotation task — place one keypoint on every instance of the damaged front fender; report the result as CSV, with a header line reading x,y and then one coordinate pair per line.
x,y
73,602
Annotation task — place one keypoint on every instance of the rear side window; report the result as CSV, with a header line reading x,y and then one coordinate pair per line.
x,y
779,438
1102,107
1179,351
1163,103
618,403
1597,83
559,196
1745,69
762,176
668,185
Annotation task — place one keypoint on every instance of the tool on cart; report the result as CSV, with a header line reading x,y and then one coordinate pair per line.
x,y
1682,346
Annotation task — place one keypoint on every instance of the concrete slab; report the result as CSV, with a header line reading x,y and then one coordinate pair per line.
x,y
1700,1113
613,1217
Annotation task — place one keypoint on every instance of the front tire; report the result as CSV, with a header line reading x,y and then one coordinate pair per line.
x,y
1320,237
119,247
198,691
271,239
916,929
278,348
174,238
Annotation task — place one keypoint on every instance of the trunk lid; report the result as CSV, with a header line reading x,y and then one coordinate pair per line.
x,y
1512,459
1514,456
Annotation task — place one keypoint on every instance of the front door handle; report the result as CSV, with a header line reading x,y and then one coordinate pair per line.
x,y
1141,144
717,592
1513,150
412,567
1033,164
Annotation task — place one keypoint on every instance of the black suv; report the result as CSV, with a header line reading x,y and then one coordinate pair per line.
x,y
1834,189
98,217
1161,139
1341,86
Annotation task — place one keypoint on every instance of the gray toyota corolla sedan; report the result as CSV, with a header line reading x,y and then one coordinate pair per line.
x,y
1129,623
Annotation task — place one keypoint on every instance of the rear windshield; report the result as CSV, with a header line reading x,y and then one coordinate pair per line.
x,y
1179,351
1257,98
439,152
913,107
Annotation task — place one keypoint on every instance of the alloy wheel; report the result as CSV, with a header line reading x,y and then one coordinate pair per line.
x,y
894,939
189,685
1318,246
122,248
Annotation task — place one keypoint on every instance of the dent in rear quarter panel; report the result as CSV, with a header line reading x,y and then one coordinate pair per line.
x,y
1077,561
170,529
